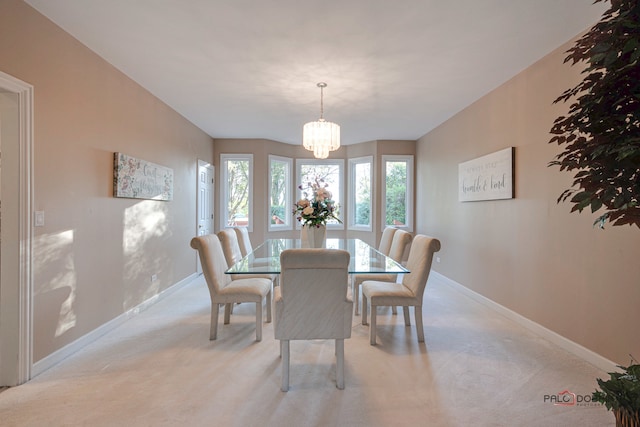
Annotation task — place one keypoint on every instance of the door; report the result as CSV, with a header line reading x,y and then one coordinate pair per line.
x,y
204,201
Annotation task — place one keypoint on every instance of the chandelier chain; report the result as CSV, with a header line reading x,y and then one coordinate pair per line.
x,y
322,85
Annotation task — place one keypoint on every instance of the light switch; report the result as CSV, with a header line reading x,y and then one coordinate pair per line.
x,y
39,218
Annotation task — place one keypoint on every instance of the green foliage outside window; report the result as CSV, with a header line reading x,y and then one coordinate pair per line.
x,y
362,196
327,173
363,213
237,191
278,192
396,193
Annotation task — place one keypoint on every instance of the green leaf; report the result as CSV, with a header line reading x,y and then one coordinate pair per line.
x,y
631,44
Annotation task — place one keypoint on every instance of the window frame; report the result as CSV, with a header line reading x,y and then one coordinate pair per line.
x,y
409,195
288,207
341,185
224,214
351,202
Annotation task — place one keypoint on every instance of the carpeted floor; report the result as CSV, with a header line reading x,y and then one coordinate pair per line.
x,y
476,368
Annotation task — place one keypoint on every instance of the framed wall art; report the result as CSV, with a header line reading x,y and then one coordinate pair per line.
x,y
489,177
138,179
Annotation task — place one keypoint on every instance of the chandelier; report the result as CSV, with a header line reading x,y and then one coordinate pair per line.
x,y
321,136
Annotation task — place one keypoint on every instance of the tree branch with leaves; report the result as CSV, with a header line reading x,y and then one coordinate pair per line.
x,y
600,134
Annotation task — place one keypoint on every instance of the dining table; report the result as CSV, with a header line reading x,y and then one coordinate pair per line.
x,y
365,259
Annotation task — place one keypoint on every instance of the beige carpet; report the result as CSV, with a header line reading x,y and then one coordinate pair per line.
x,y
159,369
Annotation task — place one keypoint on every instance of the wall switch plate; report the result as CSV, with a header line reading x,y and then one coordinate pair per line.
x,y
39,218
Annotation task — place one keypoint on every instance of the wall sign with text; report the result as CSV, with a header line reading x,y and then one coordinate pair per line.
x,y
488,177
139,179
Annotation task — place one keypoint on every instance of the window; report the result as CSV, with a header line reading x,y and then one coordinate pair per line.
x,y
280,194
397,190
360,194
236,190
331,172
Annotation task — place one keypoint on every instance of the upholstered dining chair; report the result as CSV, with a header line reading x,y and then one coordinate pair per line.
x,y
385,240
244,242
232,253
399,241
224,290
313,302
407,294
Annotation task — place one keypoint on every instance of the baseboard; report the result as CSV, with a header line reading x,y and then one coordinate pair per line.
x,y
59,355
584,353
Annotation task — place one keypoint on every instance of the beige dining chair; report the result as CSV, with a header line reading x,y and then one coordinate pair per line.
x,y
313,301
233,254
244,242
407,294
224,290
385,240
399,241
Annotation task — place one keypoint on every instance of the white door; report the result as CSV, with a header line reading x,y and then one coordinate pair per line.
x,y
204,201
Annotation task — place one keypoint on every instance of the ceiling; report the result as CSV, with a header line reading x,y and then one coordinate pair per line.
x,y
249,68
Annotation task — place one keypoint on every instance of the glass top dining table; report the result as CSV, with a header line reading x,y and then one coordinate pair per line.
x,y
265,259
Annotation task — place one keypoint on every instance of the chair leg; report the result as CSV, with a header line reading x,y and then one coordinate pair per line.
x,y
364,309
259,321
417,313
284,347
356,297
340,364
372,328
269,298
407,320
213,327
228,308
394,310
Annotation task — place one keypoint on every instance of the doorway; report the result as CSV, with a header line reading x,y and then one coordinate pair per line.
x,y
204,202
16,142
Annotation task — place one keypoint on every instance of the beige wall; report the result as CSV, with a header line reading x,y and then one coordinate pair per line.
x,y
530,254
94,258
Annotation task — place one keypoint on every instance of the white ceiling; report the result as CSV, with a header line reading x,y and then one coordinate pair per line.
x,y
249,68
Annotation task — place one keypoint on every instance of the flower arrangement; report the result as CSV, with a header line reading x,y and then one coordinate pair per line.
x,y
318,209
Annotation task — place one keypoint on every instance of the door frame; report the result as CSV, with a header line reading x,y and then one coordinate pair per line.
x,y
16,302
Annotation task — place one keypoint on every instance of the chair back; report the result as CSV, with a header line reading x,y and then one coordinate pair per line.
x,y
399,243
242,233
314,295
230,246
419,263
385,240
213,262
